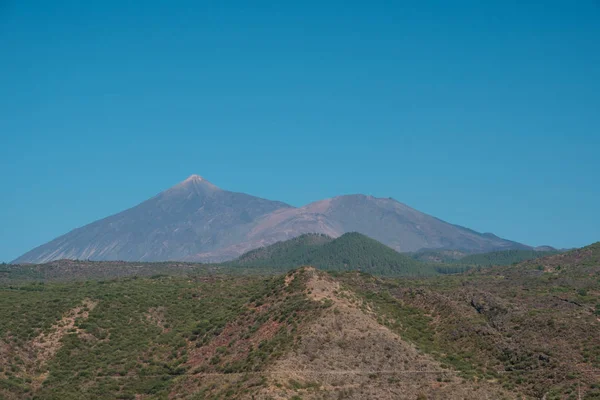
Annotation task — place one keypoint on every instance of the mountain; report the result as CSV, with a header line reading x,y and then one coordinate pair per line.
x,y
192,217
197,221
385,220
351,251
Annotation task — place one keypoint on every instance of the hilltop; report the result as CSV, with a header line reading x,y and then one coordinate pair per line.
x,y
289,253
351,251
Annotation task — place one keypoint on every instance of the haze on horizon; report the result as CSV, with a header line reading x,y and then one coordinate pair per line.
x,y
483,115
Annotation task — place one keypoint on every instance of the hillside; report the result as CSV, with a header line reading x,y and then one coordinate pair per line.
x,y
298,335
523,331
384,219
587,256
348,252
351,251
289,253
532,326
438,256
505,257
196,221
76,270
502,257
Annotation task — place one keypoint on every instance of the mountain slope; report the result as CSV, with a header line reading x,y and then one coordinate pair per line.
x,y
299,335
292,252
406,229
197,221
192,217
347,352
583,257
385,220
532,326
351,251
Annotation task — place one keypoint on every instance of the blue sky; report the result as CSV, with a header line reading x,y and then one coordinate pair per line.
x,y
484,114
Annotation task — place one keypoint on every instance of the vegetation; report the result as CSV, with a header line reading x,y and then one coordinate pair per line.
x,y
214,332
438,256
354,251
505,257
533,326
78,270
70,270
502,257
139,334
350,252
293,252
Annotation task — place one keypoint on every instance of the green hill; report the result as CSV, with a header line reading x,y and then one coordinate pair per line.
x,y
505,257
585,256
289,253
437,256
351,251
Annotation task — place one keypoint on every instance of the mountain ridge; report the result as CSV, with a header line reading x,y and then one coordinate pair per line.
x,y
197,221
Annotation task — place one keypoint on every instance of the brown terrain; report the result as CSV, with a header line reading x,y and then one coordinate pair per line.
x,y
344,353
528,331
35,354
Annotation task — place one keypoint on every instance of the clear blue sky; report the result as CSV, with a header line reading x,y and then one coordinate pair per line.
x,y
484,114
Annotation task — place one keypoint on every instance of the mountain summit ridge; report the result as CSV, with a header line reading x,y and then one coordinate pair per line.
x,y
196,220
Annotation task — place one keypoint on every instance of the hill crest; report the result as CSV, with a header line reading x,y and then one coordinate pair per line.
x,y
351,251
